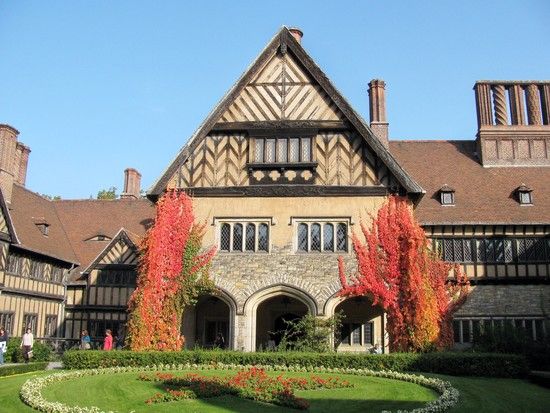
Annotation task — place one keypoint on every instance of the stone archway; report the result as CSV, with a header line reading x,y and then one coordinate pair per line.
x,y
363,326
264,307
211,316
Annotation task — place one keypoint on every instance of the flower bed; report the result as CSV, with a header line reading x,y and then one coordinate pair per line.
x,y
31,391
252,383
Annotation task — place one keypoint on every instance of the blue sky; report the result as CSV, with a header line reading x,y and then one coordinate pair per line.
x,y
98,86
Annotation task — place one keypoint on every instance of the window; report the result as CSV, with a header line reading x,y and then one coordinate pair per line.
x,y
117,277
447,195
247,236
322,237
15,263
50,326
6,321
493,250
357,334
283,150
466,331
97,327
524,195
30,321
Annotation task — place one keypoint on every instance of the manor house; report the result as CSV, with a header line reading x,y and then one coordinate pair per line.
x,y
284,170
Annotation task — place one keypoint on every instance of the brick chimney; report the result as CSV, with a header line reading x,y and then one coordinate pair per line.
x,y
132,184
296,33
8,159
22,157
377,109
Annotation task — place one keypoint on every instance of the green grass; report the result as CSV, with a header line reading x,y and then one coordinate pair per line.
x,y
125,393
477,394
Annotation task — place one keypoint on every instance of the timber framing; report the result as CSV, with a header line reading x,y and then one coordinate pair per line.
x,y
285,42
121,235
286,190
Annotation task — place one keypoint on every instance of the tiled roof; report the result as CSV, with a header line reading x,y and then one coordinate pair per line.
x,y
84,219
483,195
28,212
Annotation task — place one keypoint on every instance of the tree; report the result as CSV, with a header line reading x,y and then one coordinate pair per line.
x,y
50,197
172,274
107,193
311,333
398,270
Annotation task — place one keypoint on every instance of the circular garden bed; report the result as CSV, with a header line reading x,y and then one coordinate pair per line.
x,y
213,388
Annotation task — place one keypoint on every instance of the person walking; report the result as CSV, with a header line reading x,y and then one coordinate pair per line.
x,y
85,341
26,345
3,344
108,341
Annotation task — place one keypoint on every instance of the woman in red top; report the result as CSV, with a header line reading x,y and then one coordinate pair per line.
x,y
108,341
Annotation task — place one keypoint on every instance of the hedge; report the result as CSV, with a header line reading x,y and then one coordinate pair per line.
x,y
41,352
452,363
22,368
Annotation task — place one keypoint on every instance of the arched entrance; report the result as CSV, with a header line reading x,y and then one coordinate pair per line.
x,y
266,311
272,319
210,319
362,326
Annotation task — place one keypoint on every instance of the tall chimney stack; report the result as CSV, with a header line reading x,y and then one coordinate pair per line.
x,y
132,184
23,152
296,33
377,109
8,158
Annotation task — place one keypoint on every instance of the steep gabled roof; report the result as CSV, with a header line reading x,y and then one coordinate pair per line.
x,y
284,41
27,209
123,236
83,219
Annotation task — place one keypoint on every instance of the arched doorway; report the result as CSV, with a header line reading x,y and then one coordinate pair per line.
x,y
204,323
362,325
272,319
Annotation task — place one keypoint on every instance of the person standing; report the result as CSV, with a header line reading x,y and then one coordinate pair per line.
x,y
108,341
3,344
85,341
26,345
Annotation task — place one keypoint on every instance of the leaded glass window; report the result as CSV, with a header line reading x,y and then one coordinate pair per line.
x,y
237,237
328,237
322,237
303,237
342,237
283,150
225,237
250,237
263,237
315,237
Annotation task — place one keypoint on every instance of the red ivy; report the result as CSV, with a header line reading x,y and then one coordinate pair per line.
x,y
398,270
154,324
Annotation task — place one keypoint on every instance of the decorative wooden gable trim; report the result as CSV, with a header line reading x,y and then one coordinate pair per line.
x,y
258,84
120,251
282,90
7,231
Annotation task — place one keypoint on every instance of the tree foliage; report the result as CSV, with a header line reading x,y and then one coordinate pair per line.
x,y
310,333
398,271
107,193
172,274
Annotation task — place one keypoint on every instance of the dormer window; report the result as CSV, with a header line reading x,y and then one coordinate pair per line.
x,y
524,195
447,195
99,237
42,225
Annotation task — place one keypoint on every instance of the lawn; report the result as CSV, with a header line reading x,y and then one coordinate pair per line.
x,y
124,393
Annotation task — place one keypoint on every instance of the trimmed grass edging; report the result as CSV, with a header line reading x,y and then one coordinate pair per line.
x,y
31,391
6,371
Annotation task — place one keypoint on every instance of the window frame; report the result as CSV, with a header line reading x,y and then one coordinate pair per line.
x,y
245,222
335,222
7,319
302,137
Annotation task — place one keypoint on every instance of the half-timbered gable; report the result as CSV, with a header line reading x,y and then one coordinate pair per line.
x,y
284,124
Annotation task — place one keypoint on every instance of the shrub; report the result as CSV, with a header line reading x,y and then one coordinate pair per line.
x,y
464,364
40,351
22,368
514,340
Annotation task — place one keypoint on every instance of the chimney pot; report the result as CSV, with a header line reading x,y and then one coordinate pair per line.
x,y
23,152
296,33
132,184
377,110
